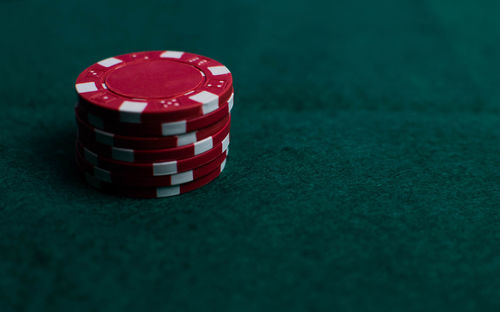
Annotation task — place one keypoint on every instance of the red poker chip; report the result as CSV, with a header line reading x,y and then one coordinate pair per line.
x,y
155,120
152,192
143,86
152,155
154,129
117,178
159,168
91,134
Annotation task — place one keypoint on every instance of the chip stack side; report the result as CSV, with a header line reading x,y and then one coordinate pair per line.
x,y
153,124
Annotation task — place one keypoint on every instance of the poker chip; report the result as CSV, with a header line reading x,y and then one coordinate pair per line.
x,y
155,168
128,180
168,154
143,86
153,124
155,128
153,192
92,134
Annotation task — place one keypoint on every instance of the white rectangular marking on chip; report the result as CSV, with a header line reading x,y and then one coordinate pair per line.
x,y
131,111
109,62
182,177
172,54
186,139
231,102
210,107
164,168
223,165
130,118
122,154
172,128
86,87
133,107
102,174
203,145
219,70
225,143
95,121
167,191
204,97
104,137
90,156
209,100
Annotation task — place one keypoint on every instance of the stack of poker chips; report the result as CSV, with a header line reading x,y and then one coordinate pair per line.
x,y
153,124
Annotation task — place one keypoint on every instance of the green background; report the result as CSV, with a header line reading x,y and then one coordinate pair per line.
x,y
363,174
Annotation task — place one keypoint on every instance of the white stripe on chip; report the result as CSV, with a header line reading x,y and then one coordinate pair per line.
x,y
203,145
104,137
109,62
168,191
130,111
102,174
164,168
90,156
86,87
231,102
209,100
172,54
186,139
225,143
172,128
219,70
182,177
123,154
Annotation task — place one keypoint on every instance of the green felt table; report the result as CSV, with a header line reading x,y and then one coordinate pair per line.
x,y
363,173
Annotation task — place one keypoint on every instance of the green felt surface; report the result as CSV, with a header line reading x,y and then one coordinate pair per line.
x,y
363,173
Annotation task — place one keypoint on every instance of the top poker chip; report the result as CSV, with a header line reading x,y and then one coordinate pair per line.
x,y
159,85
